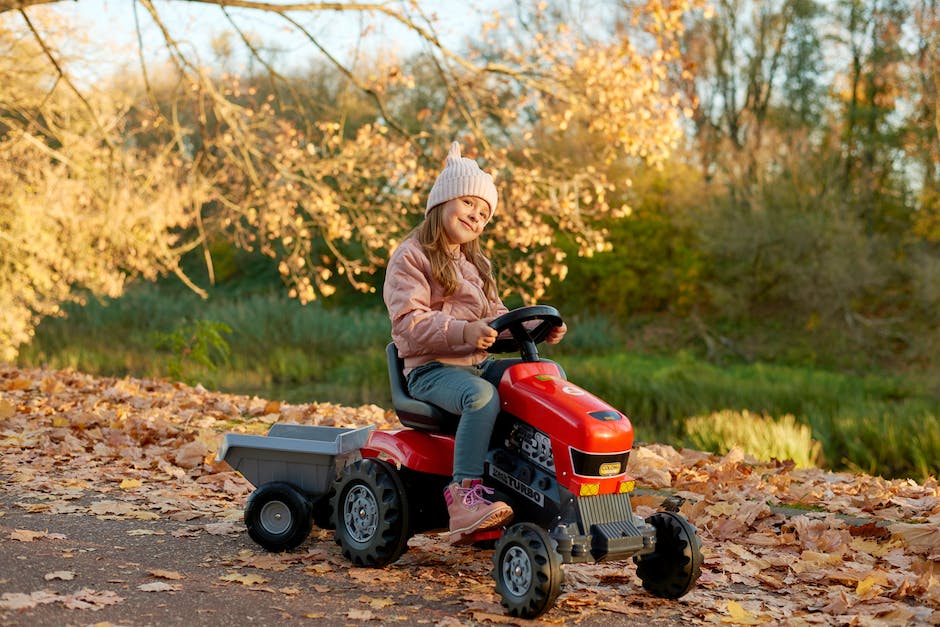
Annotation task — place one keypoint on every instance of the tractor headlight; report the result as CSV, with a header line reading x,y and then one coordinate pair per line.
x,y
599,465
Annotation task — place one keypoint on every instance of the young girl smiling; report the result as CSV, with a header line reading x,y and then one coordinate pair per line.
x,y
441,296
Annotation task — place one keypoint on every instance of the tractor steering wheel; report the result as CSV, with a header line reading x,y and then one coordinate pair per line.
x,y
524,340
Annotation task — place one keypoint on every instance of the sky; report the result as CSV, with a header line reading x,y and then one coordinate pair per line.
x,y
110,35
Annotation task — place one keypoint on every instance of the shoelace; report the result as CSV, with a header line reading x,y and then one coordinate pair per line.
x,y
474,496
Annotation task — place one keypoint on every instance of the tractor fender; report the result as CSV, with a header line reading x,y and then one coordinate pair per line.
x,y
431,453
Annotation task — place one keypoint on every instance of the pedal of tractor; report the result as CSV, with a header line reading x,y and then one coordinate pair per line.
x,y
486,534
478,537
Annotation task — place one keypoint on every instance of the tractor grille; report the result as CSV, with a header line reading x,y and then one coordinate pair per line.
x,y
614,532
605,508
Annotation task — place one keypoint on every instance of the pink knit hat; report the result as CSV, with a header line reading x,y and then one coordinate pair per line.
x,y
462,177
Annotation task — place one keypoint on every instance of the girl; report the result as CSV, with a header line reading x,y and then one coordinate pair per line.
x,y
441,295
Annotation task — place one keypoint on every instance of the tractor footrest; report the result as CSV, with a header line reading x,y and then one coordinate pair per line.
x,y
617,540
473,537
487,534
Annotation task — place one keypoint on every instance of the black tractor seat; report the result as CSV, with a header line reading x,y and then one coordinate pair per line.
x,y
411,412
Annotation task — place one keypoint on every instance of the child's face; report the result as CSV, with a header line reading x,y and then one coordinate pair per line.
x,y
464,218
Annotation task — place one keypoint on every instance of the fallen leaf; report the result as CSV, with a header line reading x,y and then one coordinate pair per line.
x,y
159,586
64,575
191,455
146,532
7,409
245,580
19,383
488,617
377,604
374,576
120,510
921,538
88,599
870,530
319,568
25,535
740,616
21,601
224,528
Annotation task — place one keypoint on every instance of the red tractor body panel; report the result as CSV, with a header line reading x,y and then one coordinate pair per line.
x,y
425,452
575,419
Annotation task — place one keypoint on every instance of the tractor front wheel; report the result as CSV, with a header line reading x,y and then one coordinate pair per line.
x,y
673,568
527,570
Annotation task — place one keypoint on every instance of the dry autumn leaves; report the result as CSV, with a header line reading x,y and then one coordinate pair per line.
x,y
781,545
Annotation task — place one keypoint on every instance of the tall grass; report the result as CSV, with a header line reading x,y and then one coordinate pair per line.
x,y
280,349
877,424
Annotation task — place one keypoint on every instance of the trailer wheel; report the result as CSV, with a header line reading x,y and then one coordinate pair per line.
x,y
673,568
370,511
527,570
278,516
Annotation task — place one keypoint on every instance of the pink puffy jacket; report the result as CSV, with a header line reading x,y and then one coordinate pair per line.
x,y
426,325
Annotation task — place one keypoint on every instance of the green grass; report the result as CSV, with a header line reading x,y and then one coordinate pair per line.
x,y
877,424
278,347
282,350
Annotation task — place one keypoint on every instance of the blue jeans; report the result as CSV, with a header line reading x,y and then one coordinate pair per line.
x,y
467,392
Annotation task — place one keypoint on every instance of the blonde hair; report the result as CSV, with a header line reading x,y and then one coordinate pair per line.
x,y
430,234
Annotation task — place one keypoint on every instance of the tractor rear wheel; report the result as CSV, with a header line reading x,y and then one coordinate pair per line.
x,y
370,513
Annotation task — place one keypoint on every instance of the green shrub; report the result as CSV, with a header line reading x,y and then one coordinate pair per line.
x,y
764,437
196,348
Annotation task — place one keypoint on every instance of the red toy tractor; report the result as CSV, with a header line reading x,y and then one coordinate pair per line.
x,y
558,457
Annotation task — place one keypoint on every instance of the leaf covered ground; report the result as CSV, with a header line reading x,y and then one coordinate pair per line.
x,y
137,458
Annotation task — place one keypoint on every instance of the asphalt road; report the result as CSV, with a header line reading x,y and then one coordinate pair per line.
x,y
79,569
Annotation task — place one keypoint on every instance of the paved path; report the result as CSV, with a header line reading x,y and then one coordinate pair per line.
x,y
77,569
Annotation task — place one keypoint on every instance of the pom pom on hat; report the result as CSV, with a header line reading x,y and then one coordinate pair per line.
x,y
462,177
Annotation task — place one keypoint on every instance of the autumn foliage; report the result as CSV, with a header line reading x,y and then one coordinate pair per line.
x,y
118,181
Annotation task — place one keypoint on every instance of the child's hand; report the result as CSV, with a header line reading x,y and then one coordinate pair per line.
x,y
554,336
479,334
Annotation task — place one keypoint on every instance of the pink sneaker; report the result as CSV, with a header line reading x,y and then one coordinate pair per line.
x,y
469,511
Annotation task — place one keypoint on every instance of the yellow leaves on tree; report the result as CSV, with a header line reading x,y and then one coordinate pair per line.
x,y
105,185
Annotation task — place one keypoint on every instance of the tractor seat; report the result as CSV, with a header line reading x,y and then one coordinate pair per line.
x,y
411,412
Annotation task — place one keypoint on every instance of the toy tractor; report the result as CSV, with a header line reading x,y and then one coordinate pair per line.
x,y
558,457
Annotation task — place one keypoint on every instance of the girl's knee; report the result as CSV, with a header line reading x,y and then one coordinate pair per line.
x,y
480,396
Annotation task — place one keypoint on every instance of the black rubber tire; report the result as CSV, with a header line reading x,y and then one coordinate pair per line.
x,y
322,510
527,570
370,513
673,568
278,516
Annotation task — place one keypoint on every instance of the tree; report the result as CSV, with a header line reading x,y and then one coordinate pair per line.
x,y
156,176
